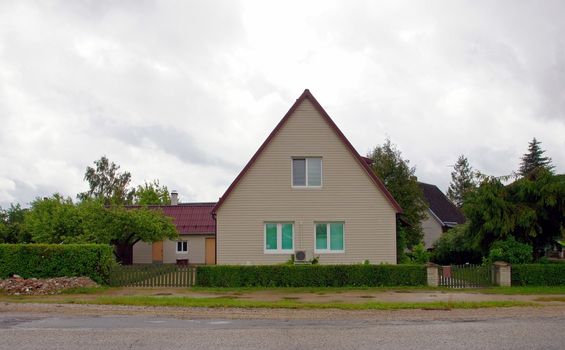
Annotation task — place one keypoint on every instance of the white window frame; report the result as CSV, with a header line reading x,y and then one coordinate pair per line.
x,y
279,249
328,250
306,173
177,247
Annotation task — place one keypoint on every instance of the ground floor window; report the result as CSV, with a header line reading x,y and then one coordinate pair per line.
x,y
329,237
279,237
182,247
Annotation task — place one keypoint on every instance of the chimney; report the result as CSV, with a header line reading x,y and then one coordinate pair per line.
x,y
174,197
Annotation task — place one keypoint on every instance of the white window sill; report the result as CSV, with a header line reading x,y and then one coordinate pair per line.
x,y
306,187
182,253
329,251
278,251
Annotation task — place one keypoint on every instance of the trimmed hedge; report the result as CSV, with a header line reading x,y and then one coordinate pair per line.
x,y
310,275
57,260
538,275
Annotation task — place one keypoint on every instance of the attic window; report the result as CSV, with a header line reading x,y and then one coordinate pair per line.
x,y
307,172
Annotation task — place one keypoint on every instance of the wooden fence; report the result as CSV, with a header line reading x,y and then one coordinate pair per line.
x,y
153,275
465,276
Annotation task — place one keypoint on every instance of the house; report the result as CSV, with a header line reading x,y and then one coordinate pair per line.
x,y
196,244
306,189
441,215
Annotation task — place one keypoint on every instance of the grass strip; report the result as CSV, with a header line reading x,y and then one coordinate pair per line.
x,y
519,290
292,304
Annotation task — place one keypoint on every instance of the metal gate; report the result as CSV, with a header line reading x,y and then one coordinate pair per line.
x,y
465,276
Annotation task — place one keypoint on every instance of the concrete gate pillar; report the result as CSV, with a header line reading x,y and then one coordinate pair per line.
x,y
432,271
502,274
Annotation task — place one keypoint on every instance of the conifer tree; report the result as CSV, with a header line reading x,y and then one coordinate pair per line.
x,y
462,181
534,159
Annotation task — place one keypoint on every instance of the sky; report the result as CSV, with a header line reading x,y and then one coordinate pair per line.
x,y
186,91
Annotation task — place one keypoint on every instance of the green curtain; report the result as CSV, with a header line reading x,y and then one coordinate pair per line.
x,y
271,241
321,237
286,236
336,236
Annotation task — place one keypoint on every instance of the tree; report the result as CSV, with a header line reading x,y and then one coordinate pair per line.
x,y
107,183
400,180
151,193
534,159
54,220
462,181
123,227
59,220
11,225
531,209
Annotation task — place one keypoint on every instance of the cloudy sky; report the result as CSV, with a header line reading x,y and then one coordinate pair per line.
x,y
186,91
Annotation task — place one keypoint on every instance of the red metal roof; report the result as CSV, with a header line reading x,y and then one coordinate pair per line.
x,y
361,160
190,218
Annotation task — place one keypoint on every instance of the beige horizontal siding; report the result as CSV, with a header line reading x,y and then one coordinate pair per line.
x,y
142,253
432,229
196,249
265,194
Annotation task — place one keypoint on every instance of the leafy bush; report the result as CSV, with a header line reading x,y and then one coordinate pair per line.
x,y
310,275
538,275
56,260
456,247
510,251
418,255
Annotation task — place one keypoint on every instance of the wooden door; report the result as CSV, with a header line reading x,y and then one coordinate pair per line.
x,y
210,251
157,252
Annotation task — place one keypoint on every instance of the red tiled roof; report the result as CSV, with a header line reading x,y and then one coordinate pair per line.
x,y
190,218
361,160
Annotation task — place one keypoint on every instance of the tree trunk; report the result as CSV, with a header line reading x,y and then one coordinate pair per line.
x,y
124,253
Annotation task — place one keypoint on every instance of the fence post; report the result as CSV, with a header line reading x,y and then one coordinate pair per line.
x,y
502,274
432,271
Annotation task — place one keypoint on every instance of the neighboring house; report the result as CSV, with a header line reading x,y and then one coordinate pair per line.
x,y
441,215
196,243
306,189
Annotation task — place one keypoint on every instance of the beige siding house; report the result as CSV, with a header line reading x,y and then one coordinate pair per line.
x,y
306,189
196,243
440,216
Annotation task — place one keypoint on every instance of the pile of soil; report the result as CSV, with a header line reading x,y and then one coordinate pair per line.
x,y
17,285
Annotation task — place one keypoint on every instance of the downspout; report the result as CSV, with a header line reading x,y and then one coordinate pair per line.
x,y
215,239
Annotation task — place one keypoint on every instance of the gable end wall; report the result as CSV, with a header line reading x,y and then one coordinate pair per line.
x,y
265,194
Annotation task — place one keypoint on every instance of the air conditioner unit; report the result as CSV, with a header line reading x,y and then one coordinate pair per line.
x,y
301,257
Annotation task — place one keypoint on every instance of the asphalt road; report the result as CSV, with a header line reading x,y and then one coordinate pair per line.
x,y
24,331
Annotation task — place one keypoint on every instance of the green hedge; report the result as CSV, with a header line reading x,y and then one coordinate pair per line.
x,y
56,260
311,275
538,275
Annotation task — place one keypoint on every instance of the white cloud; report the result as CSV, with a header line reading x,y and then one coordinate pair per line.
x,y
187,91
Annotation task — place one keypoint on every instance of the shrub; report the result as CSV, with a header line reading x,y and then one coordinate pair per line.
x,y
418,255
510,251
56,260
456,247
310,275
538,275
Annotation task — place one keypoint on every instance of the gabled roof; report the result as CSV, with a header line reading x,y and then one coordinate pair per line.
x,y
189,218
362,161
441,206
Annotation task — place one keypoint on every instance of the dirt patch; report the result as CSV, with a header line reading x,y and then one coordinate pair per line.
x,y
34,286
